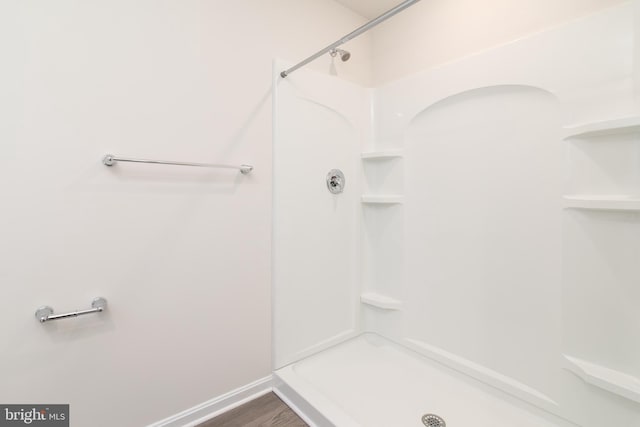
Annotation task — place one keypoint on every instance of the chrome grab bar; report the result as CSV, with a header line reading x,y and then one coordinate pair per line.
x,y
44,314
110,160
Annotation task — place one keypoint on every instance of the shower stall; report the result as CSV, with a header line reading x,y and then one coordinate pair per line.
x,y
481,265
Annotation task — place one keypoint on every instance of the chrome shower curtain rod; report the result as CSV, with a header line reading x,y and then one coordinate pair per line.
x,y
369,25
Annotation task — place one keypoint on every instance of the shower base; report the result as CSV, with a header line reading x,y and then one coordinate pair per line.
x,y
369,381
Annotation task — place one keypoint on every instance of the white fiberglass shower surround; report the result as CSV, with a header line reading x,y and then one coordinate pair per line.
x,y
482,266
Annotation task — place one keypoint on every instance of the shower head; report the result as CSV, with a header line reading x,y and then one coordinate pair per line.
x,y
344,55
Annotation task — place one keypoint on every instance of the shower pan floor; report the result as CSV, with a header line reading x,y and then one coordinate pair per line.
x,y
371,382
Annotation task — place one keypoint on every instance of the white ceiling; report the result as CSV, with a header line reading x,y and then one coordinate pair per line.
x,y
370,8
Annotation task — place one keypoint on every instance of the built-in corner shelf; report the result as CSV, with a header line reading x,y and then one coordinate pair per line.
x,y
614,203
382,155
606,127
390,199
606,378
380,301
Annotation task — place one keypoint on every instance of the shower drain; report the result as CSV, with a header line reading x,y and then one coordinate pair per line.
x,y
431,420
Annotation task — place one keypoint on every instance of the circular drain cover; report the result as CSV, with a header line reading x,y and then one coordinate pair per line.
x,y
431,420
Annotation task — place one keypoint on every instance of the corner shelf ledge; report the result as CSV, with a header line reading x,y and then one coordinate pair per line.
x,y
390,199
382,155
605,127
614,202
606,378
380,301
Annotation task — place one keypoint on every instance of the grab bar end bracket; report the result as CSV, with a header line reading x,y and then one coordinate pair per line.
x,y
109,160
99,303
43,313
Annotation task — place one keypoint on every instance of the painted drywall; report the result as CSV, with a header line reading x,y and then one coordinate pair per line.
x,y
369,9
434,32
181,254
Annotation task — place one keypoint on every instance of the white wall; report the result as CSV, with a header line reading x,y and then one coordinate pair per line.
x,y
433,32
500,281
319,123
182,255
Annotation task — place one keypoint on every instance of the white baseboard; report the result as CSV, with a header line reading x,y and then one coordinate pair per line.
x,y
216,406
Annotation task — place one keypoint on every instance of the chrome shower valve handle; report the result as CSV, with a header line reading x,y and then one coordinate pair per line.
x,y
335,181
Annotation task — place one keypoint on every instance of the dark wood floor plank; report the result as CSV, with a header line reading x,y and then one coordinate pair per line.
x,y
265,411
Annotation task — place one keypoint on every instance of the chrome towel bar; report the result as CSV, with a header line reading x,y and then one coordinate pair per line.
x,y
44,314
110,160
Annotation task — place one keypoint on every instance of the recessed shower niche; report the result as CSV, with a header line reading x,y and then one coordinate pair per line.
x,y
602,255
604,164
382,239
